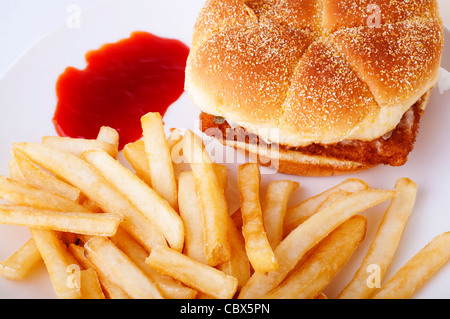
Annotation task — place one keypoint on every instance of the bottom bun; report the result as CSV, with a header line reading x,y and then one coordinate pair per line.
x,y
295,163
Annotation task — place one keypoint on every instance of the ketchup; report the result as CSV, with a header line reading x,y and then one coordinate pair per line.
x,y
122,82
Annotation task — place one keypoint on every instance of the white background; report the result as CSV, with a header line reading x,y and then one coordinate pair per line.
x,y
23,22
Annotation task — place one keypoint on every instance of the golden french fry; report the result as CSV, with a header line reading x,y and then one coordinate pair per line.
x,y
385,243
19,265
14,172
333,198
68,238
145,199
238,266
60,264
301,212
190,209
109,135
37,177
257,245
192,273
322,296
222,175
20,194
237,218
169,288
191,214
416,272
110,289
274,209
79,173
91,206
77,146
159,158
90,285
291,250
77,253
135,154
111,261
72,222
317,272
212,199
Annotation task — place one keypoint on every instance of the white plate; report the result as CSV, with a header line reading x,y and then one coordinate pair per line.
x,y
27,101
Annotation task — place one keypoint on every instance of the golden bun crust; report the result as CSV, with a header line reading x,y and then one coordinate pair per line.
x,y
355,13
297,72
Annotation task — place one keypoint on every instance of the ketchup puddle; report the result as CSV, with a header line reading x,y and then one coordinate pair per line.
x,y
122,82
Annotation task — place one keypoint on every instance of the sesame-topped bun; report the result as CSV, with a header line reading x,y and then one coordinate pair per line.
x,y
314,72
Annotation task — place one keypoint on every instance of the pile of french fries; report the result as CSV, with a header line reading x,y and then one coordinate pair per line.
x,y
107,230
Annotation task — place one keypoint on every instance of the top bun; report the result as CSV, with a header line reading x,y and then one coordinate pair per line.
x,y
298,72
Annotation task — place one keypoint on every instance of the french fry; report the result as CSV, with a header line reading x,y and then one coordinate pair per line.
x,y
77,146
110,260
237,218
68,238
135,154
90,285
385,243
291,250
322,296
58,262
191,214
159,158
92,206
238,266
333,198
274,209
20,194
416,272
41,179
302,211
109,135
19,265
192,273
79,173
77,252
317,272
258,248
14,172
169,288
222,175
212,199
110,289
72,222
145,199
